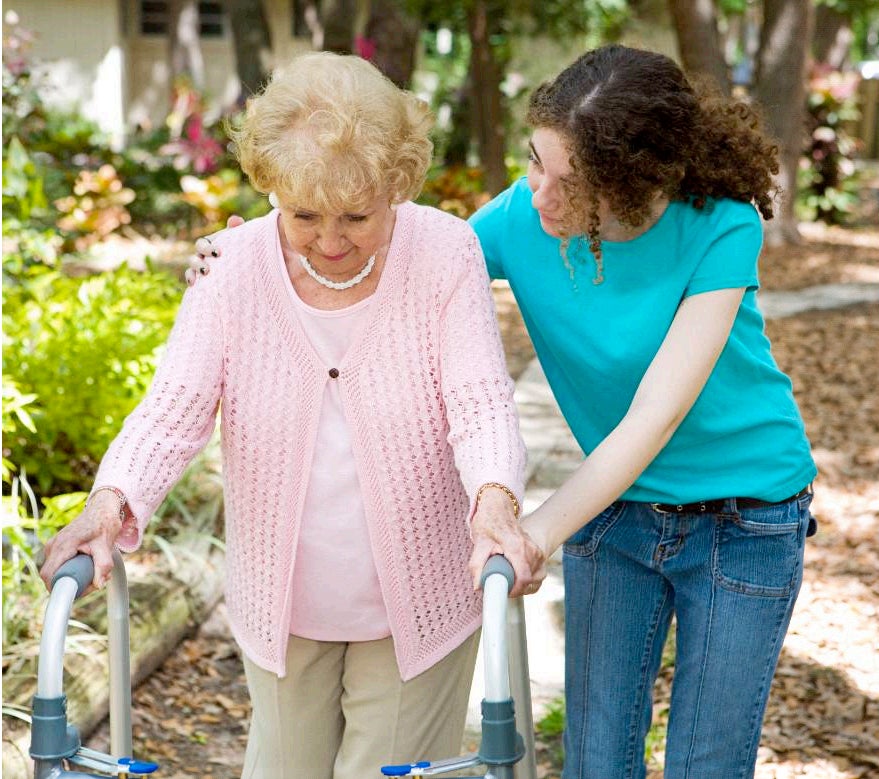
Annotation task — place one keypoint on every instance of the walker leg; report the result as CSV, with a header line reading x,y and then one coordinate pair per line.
x,y
520,687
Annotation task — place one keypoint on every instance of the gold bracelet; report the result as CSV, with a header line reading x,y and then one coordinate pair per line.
x,y
118,493
503,488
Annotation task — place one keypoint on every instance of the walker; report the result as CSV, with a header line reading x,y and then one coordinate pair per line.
x,y
53,741
504,752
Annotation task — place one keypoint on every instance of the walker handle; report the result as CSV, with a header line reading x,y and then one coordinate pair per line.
x,y
81,569
498,564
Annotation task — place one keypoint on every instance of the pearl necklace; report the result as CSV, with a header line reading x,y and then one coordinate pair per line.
x,y
323,281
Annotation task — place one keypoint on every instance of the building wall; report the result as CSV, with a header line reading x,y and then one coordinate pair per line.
x,y
96,57
82,47
149,78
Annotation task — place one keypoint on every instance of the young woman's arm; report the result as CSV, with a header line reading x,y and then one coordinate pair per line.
x,y
666,394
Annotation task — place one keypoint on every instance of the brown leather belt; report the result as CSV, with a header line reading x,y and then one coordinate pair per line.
x,y
716,506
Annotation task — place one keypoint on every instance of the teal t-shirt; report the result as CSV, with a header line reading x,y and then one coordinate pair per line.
x,y
744,436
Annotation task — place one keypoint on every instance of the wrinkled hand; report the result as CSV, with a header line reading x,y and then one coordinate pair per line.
x,y
93,532
496,530
205,250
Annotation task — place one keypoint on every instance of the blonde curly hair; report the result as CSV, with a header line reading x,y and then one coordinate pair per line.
x,y
330,133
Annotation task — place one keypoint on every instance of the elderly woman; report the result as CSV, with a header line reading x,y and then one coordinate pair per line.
x,y
366,416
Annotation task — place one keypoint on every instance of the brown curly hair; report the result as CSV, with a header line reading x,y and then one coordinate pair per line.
x,y
637,128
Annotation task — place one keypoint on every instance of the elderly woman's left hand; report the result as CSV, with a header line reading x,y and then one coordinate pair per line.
x,y
495,529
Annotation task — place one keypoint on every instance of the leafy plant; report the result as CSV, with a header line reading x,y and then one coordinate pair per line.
x,y
459,190
24,530
219,196
86,349
97,206
828,186
195,149
550,729
22,185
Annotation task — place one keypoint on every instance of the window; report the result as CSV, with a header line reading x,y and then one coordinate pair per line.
x,y
302,9
155,18
210,19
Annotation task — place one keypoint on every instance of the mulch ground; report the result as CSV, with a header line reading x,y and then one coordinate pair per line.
x,y
823,716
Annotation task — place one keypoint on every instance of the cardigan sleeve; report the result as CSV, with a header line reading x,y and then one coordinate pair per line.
x,y
477,390
176,417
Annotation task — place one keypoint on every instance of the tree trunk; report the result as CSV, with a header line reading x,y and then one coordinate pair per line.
x,y
695,22
253,44
833,37
487,104
461,126
186,58
394,34
339,17
780,88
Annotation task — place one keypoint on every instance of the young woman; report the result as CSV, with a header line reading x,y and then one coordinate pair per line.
x,y
631,248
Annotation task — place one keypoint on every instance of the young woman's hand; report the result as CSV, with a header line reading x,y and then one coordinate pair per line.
x,y
93,532
495,529
205,251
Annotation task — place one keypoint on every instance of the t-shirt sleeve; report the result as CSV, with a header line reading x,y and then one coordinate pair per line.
x,y
729,259
490,223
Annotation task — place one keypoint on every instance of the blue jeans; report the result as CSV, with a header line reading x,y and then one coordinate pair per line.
x,y
731,579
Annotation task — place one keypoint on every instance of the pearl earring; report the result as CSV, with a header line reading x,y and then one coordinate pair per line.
x,y
273,200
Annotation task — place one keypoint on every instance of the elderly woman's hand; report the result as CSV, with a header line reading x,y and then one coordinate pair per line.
x,y
93,532
495,529
205,250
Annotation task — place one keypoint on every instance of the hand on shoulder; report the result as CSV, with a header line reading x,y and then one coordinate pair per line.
x,y
206,251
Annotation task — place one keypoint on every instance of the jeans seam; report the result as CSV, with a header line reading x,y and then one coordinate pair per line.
x,y
581,746
639,703
761,701
702,671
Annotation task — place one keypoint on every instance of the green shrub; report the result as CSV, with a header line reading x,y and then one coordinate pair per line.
x,y
827,186
550,730
85,349
24,530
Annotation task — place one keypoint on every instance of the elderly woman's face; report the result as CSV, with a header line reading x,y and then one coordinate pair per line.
x,y
338,245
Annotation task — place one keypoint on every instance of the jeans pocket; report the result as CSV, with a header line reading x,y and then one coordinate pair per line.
x,y
584,542
759,551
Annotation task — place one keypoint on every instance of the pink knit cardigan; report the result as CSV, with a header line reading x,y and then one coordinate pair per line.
x,y
426,395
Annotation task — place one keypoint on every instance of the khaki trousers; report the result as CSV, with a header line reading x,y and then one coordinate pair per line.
x,y
342,712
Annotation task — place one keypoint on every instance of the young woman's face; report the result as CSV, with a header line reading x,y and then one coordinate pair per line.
x,y
338,245
548,166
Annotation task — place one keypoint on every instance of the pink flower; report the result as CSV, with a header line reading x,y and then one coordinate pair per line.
x,y
365,47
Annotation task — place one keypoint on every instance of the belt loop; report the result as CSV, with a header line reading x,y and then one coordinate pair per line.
x,y
734,509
